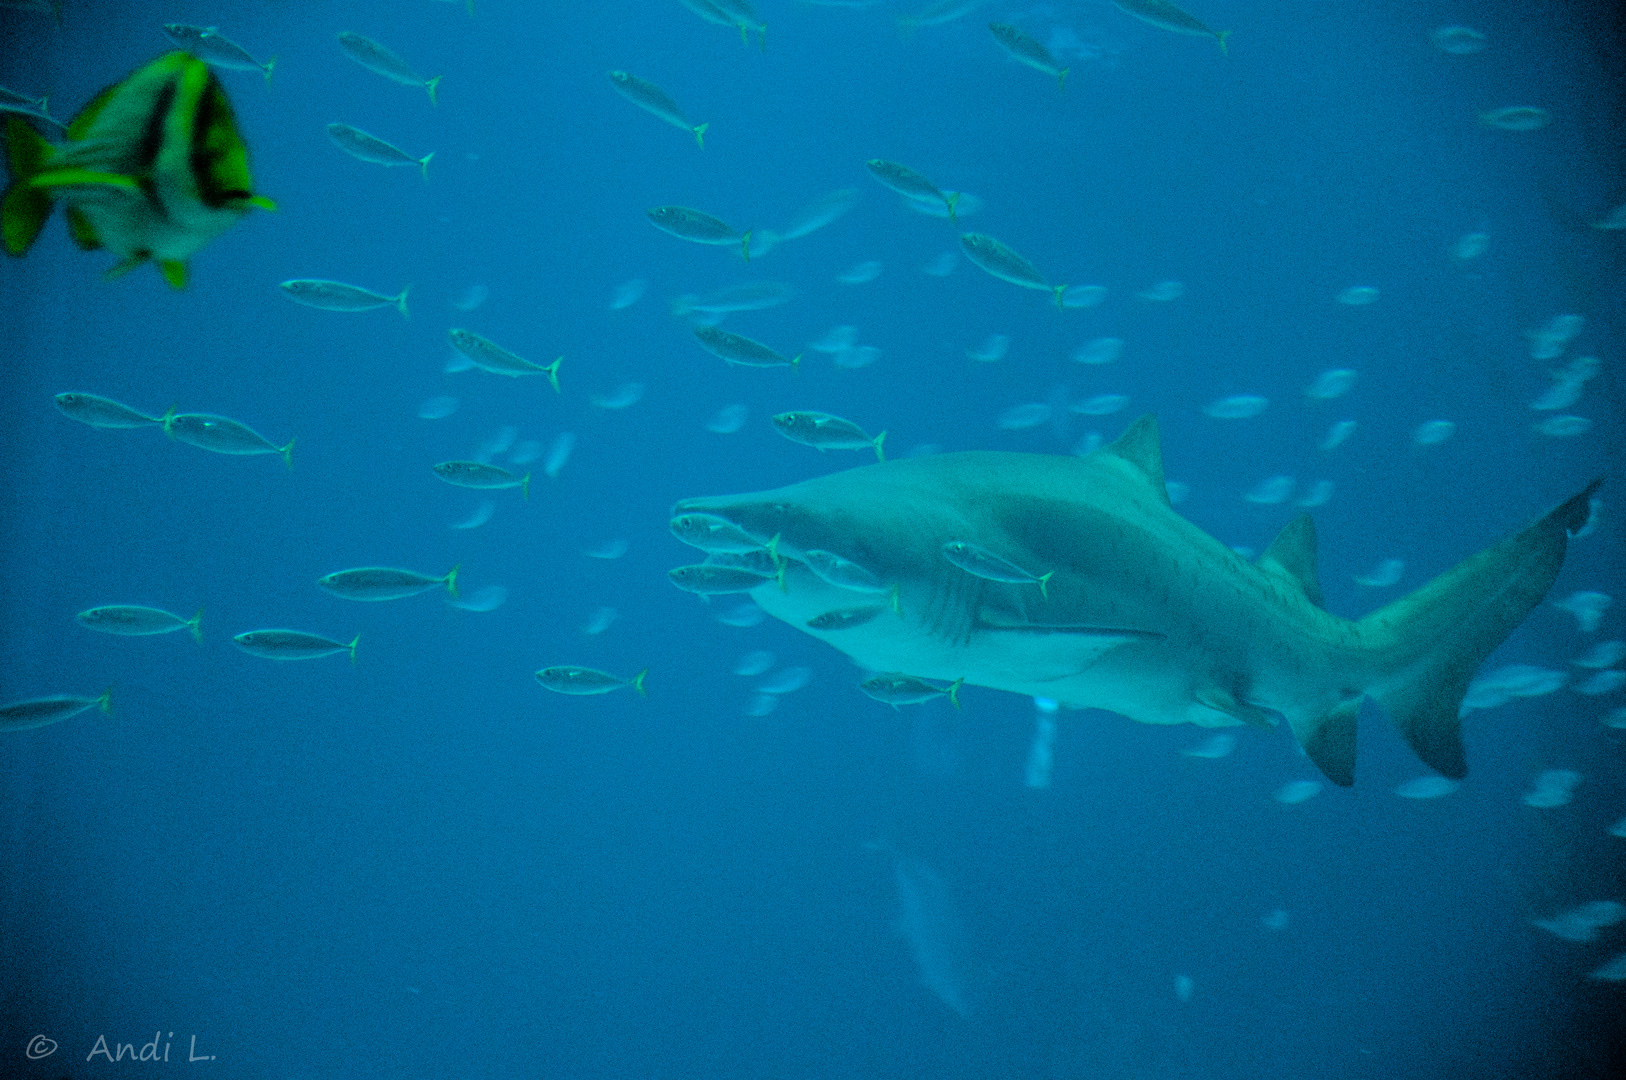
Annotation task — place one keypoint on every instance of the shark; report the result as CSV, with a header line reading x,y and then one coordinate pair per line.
x,y
1104,597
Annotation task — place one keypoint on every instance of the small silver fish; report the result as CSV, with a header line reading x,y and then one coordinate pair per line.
x,y
708,579
845,618
980,562
37,712
832,569
1026,50
898,689
742,351
711,533
1517,118
489,356
652,99
337,296
825,432
131,620
100,412
381,61
700,228
292,645
215,49
374,583
1005,264
585,681
222,435
364,147
1167,16
908,183
481,477
23,105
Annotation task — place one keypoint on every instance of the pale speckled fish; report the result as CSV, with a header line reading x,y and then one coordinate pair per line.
x,y
222,435
364,147
292,645
980,562
337,296
382,61
742,351
905,181
710,579
652,99
489,356
944,11
481,477
895,688
374,583
23,105
743,15
37,712
825,432
586,681
1005,264
208,44
710,534
698,227
1026,50
100,412
1167,16
133,620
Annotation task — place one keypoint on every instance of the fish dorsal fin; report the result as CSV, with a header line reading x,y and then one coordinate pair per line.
x,y
1141,447
1292,556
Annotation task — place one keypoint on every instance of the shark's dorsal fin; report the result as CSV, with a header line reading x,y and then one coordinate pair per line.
x,y
1140,446
1292,555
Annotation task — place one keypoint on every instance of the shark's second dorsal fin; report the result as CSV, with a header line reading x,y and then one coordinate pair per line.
x,y
1140,446
1292,555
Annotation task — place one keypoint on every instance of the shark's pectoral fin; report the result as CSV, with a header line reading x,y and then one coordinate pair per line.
x,y
1291,556
1329,739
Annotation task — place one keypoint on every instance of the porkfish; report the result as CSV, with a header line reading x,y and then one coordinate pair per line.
x,y
1144,614
153,168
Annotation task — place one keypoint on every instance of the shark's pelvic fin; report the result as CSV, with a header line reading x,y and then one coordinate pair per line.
x,y
1429,644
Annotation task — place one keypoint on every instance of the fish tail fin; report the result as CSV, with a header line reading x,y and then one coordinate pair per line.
x,y
638,683
525,488
553,373
1043,582
897,605
287,453
700,134
745,35
745,244
762,37
953,691
952,201
352,648
269,64
1426,646
1059,291
430,86
1220,37
880,454
451,580
25,208
470,5
423,165
400,303
1061,78
174,272
195,624
104,701
168,420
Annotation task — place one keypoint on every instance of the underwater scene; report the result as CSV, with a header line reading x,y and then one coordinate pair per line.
x,y
832,539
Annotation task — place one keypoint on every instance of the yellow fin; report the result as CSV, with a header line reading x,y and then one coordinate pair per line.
x,y
174,272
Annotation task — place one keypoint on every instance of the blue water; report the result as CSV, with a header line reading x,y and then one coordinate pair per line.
x,y
428,865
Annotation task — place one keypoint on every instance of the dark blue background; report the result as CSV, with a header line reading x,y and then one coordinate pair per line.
x,y
427,865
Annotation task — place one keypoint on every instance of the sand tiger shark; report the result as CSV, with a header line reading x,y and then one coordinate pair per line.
x,y
1101,596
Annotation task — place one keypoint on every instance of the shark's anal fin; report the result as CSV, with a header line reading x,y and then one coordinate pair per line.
x,y
1140,446
1292,556
1329,740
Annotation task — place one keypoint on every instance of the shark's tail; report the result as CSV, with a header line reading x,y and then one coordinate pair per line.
x,y
1426,646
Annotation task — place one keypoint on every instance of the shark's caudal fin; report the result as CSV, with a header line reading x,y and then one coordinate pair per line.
x,y
1429,644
